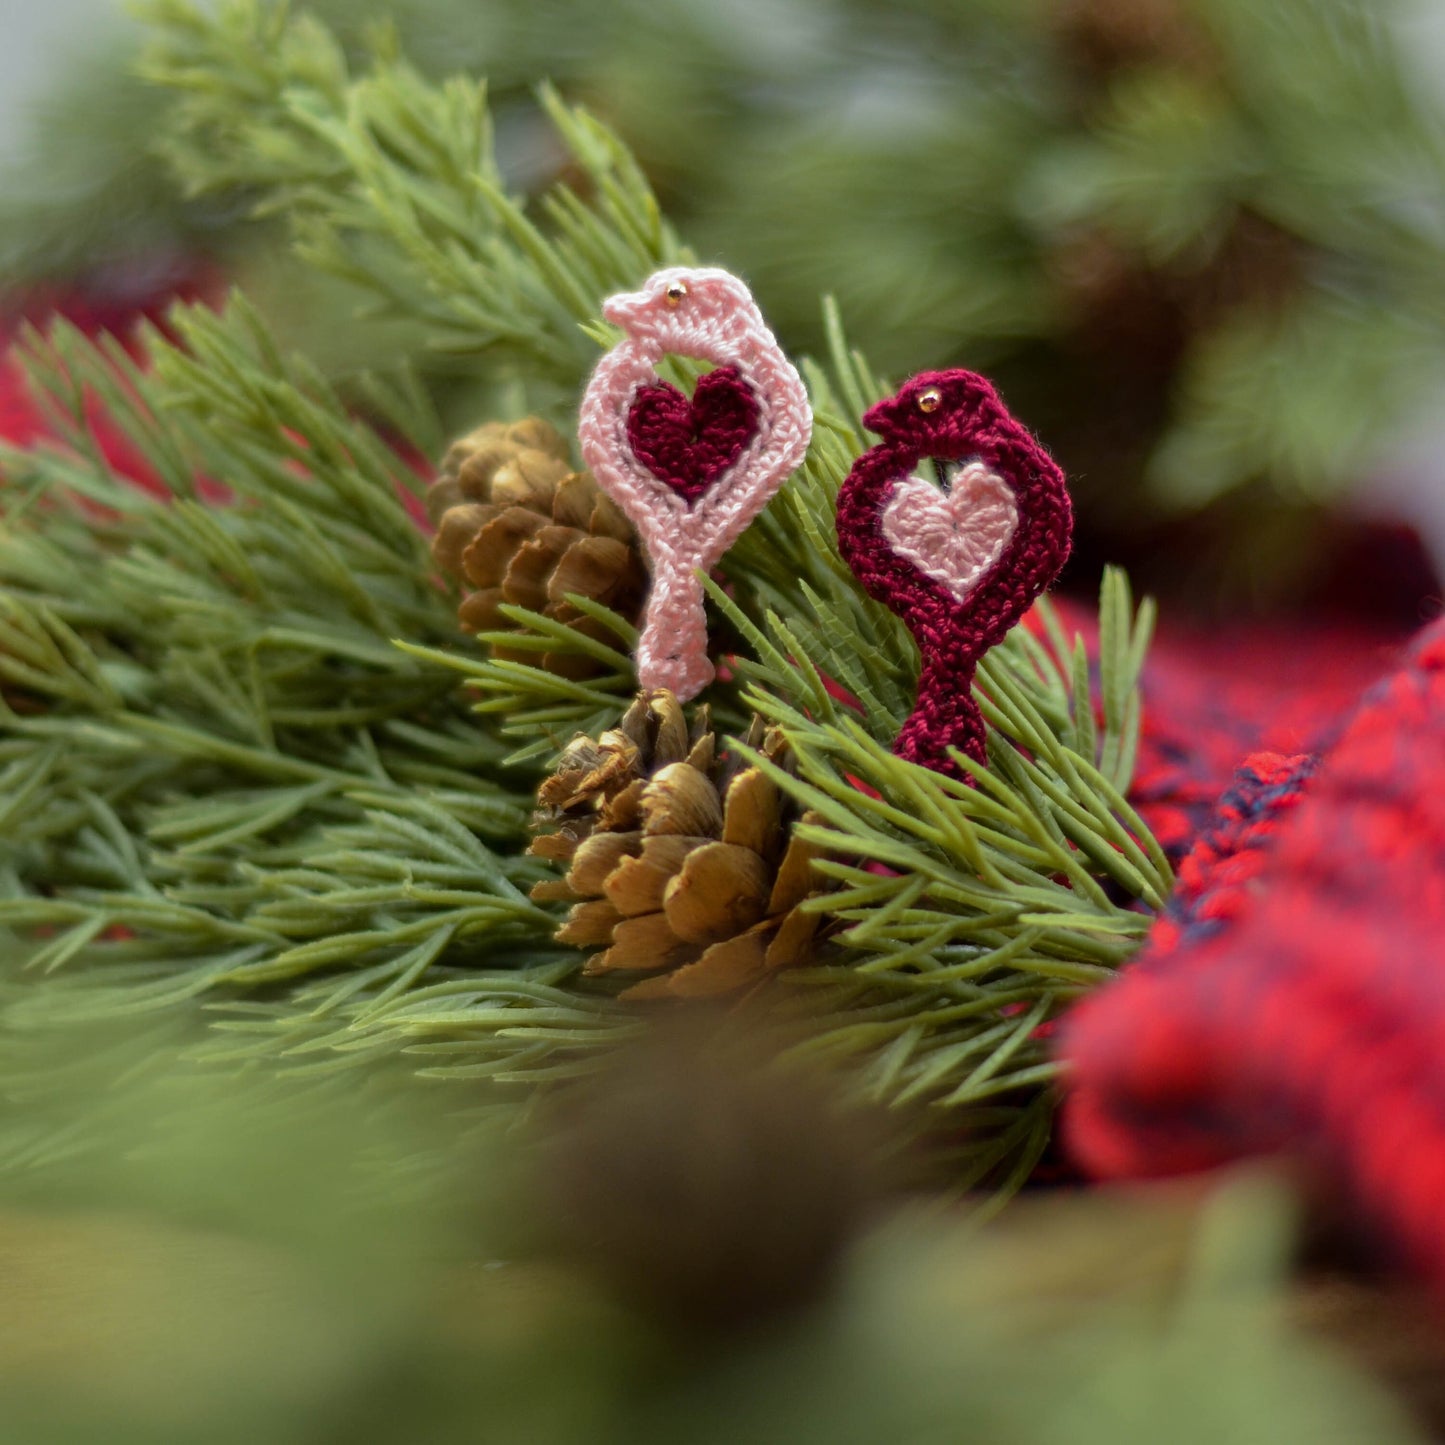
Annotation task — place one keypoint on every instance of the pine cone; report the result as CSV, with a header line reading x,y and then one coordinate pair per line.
x,y
516,524
681,864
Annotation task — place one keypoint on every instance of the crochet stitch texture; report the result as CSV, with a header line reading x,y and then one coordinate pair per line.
x,y
959,576
953,537
1292,1001
690,442
707,314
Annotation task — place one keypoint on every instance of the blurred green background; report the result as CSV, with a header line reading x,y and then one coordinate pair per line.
x,y
695,1251
1201,243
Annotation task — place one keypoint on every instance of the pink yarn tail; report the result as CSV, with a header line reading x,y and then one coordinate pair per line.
x,y
672,651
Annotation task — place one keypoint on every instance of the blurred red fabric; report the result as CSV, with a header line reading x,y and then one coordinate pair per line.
x,y
1292,996
110,309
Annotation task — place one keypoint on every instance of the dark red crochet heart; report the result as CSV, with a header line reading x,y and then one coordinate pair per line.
x,y
689,444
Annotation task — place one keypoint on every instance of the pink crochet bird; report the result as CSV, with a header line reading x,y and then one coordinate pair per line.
x,y
691,473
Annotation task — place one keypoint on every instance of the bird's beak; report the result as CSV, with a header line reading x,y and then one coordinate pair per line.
x,y
623,310
881,416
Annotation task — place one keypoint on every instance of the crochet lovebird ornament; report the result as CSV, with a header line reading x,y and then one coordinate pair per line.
x,y
960,561
690,472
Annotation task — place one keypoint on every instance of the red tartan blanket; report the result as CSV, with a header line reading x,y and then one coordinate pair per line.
x,y
1292,996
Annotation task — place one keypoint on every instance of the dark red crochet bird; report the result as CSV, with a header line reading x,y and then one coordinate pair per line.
x,y
962,561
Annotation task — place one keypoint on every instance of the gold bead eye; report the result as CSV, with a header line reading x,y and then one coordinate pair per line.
x,y
930,400
675,293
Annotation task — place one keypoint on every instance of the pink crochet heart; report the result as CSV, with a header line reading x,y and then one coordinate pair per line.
x,y
954,536
689,444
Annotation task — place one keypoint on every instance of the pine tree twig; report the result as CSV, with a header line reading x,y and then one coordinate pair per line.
x,y
272,782
393,184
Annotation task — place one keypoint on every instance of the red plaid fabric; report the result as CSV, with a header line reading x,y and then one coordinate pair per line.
x,y
1292,997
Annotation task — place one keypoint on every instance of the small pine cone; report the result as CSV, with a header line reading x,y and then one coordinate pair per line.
x,y
516,524
680,864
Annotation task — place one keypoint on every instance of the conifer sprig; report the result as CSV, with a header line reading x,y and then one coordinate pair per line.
x,y
233,788
392,183
238,779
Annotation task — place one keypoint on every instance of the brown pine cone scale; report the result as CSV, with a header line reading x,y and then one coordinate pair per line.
x,y
516,524
681,864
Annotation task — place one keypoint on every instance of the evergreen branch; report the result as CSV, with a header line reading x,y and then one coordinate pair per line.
x,y
393,184
537,705
235,754
244,795
964,903
961,910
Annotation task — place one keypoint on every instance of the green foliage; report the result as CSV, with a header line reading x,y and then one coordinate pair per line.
x,y
1303,391
239,779
237,1263
393,184
243,773
969,915
981,182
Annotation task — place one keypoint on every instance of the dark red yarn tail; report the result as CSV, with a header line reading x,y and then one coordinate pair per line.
x,y
945,717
